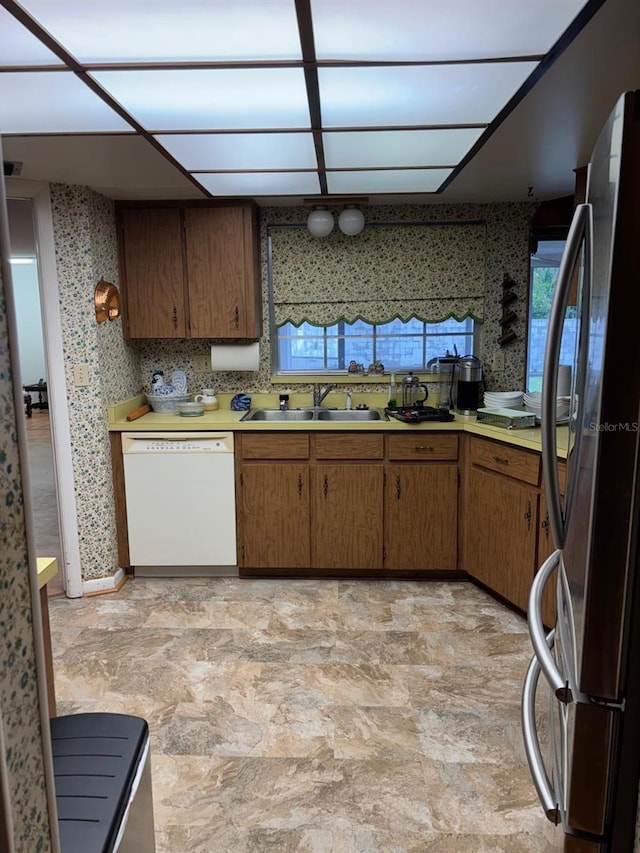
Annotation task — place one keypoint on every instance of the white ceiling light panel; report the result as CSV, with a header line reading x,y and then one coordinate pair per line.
x,y
197,151
261,183
390,181
218,99
166,30
19,47
433,30
53,102
377,148
418,95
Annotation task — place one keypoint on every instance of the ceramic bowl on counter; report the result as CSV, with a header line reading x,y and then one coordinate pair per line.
x,y
190,410
166,403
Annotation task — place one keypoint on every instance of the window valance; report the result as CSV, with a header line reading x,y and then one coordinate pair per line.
x,y
424,270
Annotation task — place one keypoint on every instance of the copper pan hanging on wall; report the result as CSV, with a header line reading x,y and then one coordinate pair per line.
x,y
106,301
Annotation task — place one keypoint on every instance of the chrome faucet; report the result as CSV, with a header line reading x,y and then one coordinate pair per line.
x,y
319,394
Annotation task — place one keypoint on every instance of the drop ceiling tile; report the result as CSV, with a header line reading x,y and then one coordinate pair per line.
x,y
157,30
418,95
433,30
389,181
261,183
199,151
53,102
19,47
375,148
211,99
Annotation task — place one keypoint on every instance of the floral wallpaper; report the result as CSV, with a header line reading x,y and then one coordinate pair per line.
x,y
19,706
86,251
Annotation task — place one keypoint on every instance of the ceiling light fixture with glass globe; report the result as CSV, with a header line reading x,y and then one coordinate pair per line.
x,y
320,221
351,220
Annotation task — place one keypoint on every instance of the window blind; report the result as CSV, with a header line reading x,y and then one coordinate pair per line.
x,y
424,270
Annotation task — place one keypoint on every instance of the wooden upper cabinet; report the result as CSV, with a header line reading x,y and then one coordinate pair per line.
x,y
151,256
224,288
191,272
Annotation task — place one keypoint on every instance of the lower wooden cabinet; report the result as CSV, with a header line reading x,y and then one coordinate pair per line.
x,y
421,517
501,526
274,507
347,516
347,501
546,547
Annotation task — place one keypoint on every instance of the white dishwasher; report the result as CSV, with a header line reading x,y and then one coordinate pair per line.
x,y
180,493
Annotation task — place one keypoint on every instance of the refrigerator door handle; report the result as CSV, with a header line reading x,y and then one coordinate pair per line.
x,y
579,231
532,749
537,632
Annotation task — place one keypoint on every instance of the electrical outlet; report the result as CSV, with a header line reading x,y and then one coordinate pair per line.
x,y
201,363
498,360
80,375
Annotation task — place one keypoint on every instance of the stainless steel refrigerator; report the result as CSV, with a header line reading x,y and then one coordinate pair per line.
x,y
589,664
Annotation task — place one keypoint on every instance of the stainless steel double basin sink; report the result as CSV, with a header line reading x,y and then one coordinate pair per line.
x,y
315,415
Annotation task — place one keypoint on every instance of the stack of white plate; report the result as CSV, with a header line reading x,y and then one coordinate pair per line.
x,y
503,399
533,403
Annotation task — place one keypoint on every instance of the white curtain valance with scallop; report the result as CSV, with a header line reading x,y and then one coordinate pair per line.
x,y
428,271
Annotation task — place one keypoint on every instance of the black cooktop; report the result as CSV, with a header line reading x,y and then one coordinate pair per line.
x,y
419,414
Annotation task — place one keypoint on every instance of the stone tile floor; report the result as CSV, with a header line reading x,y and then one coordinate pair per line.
x,y
317,716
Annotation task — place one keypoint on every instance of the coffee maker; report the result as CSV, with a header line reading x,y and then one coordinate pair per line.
x,y
467,377
411,392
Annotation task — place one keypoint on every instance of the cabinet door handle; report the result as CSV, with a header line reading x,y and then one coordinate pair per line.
x,y
237,318
325,488
527,515
299,485
398,488
175,317
500,460
545,526
422,447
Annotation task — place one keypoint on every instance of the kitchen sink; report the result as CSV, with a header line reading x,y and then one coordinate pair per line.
x,y
278,415
351,415
314,415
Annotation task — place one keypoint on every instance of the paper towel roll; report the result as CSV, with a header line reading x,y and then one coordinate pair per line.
x,y
563,388
235,356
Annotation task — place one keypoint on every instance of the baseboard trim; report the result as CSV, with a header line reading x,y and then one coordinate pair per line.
x,y
358,574
185,571
102,586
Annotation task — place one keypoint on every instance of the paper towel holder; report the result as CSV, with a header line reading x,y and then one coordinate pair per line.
x,y
235,356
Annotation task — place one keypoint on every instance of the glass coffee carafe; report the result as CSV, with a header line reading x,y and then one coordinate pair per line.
x,y
414,393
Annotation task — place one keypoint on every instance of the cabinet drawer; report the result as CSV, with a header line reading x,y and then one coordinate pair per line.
x,y
271,446
423,445
506,460
349,446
